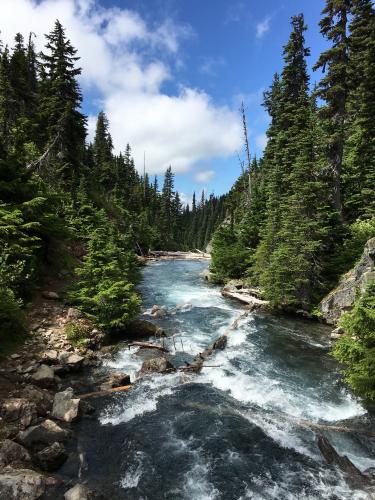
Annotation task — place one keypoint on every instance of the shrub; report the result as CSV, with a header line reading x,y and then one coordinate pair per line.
x,y
356,349
77,332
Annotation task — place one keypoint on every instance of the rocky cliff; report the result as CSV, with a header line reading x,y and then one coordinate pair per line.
x,y
342,298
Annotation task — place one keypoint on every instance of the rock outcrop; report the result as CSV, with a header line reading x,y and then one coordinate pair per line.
x,y
342,298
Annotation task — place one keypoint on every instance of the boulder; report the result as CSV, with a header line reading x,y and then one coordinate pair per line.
x,y
23,484
52,457
50,295
46,433
140,329
220,343
79,492
342,298
65,407
158,311
13,454
71,360
44,376
157,365
336,333
73,314
49,357
19,410
42,399
116,379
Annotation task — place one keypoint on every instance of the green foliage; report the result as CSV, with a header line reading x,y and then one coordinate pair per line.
x,y
229,256
77,332
356,348
12,320
105,286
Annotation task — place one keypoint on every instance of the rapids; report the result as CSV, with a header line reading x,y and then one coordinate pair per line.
x,y
234,431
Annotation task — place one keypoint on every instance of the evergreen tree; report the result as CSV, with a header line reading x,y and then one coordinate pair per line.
x,y
60,106
102,150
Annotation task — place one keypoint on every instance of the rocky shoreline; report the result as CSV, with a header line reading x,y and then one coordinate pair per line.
x,y
42,389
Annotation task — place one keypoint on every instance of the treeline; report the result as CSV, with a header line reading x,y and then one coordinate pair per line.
x,y
300,216
61,197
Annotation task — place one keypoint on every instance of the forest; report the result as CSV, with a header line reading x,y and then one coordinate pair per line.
x,y
295,220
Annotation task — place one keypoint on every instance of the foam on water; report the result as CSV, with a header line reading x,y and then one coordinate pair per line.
x,y
259,373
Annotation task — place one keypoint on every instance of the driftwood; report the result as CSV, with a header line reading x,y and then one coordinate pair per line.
x,y
148,345
107,391
245,298
161,254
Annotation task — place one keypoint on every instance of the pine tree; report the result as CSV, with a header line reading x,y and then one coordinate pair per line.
x,y
60,106
333,89
102,149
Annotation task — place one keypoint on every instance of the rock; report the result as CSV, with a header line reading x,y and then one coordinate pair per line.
x,y
140,329
23,484
19,410
79,492
65,407
52,457
44,376
49,357
15,356
50,295
13,454
207,275
158,311
342,298
158,365
71,360
46,433
116,379
336,333
42,398
220,343
73,314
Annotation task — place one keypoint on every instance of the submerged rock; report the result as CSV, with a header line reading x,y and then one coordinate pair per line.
x,y
157,365
342,298
65,406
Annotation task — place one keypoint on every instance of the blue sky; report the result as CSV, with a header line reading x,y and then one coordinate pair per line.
x,y
171,74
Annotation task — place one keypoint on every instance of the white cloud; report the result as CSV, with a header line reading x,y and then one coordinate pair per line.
x,y
261,141
204,176
127,63
211,65
262,27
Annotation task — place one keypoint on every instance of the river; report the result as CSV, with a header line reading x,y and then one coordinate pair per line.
x,y
236,431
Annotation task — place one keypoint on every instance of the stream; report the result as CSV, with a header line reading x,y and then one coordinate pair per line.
x,y
234,431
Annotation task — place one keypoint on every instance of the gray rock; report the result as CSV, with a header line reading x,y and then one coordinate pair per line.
x,y
337,333
79,492
73,314
158,311
50,295
65,406
42,398
46,433
71,360
157,365
52,457
49,357
116,379
44,376
342,298
19,410
13,454
23,484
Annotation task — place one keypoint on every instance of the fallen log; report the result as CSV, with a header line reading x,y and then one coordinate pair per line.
x,y
245,298
352,473
147,345
107,391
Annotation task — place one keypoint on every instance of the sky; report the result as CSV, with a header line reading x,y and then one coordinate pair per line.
x,y
171,74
